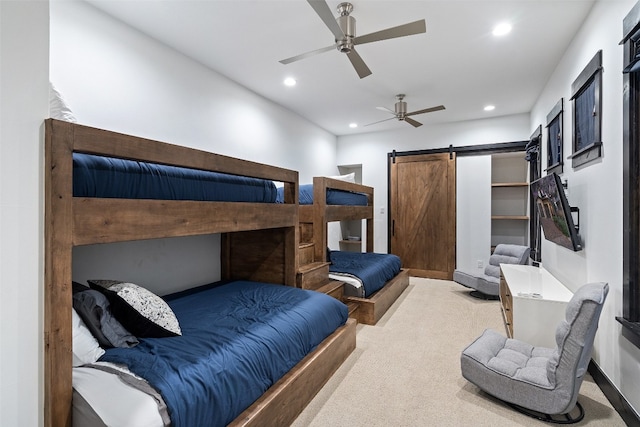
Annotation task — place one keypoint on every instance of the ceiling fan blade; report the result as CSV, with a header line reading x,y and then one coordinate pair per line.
x,y
308,54
412,28
357,62
379,121
322,9
387,110
412,122
426,110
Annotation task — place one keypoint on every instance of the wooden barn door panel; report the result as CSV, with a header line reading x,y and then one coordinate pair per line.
x,y
423,214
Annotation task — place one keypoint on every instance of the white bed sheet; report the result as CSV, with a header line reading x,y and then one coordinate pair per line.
x,y
355,288
116,403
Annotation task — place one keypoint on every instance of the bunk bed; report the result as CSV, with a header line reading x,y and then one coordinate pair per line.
x,y
258,249
314,218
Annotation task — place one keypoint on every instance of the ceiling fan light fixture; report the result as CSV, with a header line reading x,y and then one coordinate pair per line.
x,y
345,45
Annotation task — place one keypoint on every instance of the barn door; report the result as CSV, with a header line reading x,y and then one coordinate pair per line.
x,y
423,213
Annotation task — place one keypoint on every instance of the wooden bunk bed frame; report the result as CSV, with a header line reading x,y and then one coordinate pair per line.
x,y
267,238
371,309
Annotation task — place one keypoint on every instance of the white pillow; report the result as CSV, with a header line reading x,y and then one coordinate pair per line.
x,y
58,108
350,177
85,347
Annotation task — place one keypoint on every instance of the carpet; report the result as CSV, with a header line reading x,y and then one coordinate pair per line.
x,y
405,371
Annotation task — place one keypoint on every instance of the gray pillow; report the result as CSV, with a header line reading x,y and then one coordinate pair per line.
x,y
93,307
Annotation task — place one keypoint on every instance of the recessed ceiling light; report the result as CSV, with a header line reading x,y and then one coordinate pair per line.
x,y
353,125
489,108
290,81
502,29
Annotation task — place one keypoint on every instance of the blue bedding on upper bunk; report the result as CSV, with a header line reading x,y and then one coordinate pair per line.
x,y
237,340
98,176
373,269
334,197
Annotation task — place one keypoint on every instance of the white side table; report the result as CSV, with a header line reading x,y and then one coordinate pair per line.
x,y
533,303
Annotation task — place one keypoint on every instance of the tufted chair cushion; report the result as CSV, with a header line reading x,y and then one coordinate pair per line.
x,y
505,254
538,378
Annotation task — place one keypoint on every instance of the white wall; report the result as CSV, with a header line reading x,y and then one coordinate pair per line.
x,y
473,195
371,149
597,190
116,78
24,104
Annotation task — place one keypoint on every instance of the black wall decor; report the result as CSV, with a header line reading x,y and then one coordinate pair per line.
x,y
554,138
586,95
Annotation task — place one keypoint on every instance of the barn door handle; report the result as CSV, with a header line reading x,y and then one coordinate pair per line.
x,y
393,227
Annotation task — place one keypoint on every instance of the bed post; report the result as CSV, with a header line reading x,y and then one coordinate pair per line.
x,y
370,224
57,273
320,239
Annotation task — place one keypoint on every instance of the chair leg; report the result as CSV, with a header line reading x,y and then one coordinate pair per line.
x,y
554,419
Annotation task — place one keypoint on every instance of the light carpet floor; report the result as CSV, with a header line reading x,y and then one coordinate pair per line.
x,y
405,371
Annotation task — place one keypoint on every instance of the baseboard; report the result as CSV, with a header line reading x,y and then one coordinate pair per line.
x,y
616,399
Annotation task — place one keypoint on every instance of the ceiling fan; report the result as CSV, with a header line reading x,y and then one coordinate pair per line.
x,y
401,114
344,30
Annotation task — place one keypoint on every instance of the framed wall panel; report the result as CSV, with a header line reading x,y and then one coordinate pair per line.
x,y
586,96
555,147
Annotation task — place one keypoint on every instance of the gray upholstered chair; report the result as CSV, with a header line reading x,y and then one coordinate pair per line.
x,y
539,381
488,286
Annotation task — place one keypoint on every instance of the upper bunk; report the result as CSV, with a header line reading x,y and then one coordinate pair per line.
x,y
338,200
321,212
265,234
110,219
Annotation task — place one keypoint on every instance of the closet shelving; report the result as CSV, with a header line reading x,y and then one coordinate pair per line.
x,y
509,199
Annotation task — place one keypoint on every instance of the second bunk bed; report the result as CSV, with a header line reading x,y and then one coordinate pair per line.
x,y
372,281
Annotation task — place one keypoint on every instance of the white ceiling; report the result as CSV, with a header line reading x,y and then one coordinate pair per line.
x,y
457,62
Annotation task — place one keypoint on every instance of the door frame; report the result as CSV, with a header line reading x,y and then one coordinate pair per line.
x,y
466,150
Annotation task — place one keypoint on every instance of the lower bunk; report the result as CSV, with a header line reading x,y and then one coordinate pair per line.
x,y
372,280
245,353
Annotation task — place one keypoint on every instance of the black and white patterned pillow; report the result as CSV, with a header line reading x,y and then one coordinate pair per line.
x,y
141,311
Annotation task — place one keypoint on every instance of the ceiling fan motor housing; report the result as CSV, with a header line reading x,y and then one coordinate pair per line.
x,y
401,109
347,24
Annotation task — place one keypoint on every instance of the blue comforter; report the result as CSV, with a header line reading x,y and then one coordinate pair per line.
x,y
237,340
334,197
98,176
373,269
